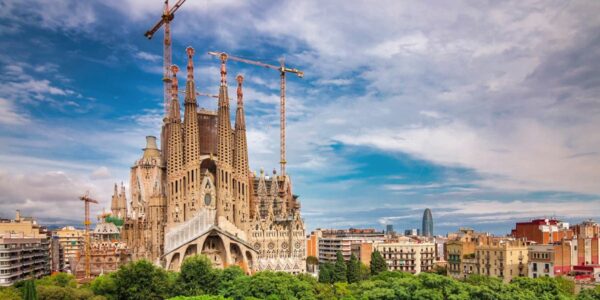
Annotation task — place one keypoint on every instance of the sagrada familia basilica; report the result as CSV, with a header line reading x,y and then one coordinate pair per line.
x,y
196,195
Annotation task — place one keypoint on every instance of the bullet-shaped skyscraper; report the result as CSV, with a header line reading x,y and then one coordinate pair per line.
x,y
427,223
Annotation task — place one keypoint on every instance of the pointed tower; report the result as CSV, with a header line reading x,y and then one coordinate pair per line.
x,y
114,204
191,138
122,202
175,158
263,195
225,203
241,146
224,147
240,162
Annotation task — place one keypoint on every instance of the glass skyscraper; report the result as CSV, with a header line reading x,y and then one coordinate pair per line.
x,y
427,223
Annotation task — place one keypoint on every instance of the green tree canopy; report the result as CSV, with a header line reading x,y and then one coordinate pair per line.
x,y
141,280
326,272
378,264
197,277
353,273
270,285
340,270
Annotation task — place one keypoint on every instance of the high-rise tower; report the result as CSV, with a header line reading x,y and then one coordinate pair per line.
x,y
427,229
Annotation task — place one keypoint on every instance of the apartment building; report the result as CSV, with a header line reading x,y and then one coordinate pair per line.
x,y
57,255
408,254
332,241
542,231
460,252
24,250
501,257
71,240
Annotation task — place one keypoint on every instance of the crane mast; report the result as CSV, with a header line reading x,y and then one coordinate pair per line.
x,y
87,249
167,59
165,21
282,70
282,160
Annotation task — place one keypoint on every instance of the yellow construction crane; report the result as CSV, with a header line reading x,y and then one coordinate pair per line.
x,y
166,18
87,200
282,70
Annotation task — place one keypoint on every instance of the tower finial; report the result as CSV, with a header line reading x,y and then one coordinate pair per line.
x,y
190,63
174,110
223,68
174,84
240,95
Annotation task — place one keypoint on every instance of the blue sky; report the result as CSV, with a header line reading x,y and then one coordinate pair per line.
x,y
488,113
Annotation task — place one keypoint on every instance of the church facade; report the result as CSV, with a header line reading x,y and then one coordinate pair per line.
x,y
198,196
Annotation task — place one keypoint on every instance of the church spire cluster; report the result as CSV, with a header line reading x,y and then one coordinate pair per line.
x,y
198,190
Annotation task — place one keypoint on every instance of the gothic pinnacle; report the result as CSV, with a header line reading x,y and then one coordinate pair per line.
x,y
190,63
240,80
174,94
174,85
223,69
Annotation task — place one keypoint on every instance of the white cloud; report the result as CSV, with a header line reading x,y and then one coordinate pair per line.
x,y
338,81
148,56
100,173
9,114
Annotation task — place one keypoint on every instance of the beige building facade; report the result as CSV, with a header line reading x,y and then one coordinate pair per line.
x,y
408,255
71,240
460,252
505,258
24,250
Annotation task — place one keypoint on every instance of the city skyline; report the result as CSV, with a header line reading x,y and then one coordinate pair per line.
x,y
486,117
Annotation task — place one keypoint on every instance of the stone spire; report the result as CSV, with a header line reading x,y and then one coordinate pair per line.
x,y
241,146
224,147
175,113
191,137
114,204
122,202
175,159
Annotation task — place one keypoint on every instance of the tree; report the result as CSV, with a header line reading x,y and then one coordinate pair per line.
x,y
378,264
29,291
197,277
340,270
326,272
589,294
141,280
105,285
228,276
353,273
9,293
58,279
311,262
364,271
270,285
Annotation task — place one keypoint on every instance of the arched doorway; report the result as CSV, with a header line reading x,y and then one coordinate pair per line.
x,y
191,250
250,262
237,258
174,264
214,249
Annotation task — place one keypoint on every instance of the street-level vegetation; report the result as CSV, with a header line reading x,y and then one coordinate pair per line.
x,y
198,280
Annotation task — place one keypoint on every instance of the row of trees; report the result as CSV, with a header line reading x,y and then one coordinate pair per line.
x,y
198,280
351,271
